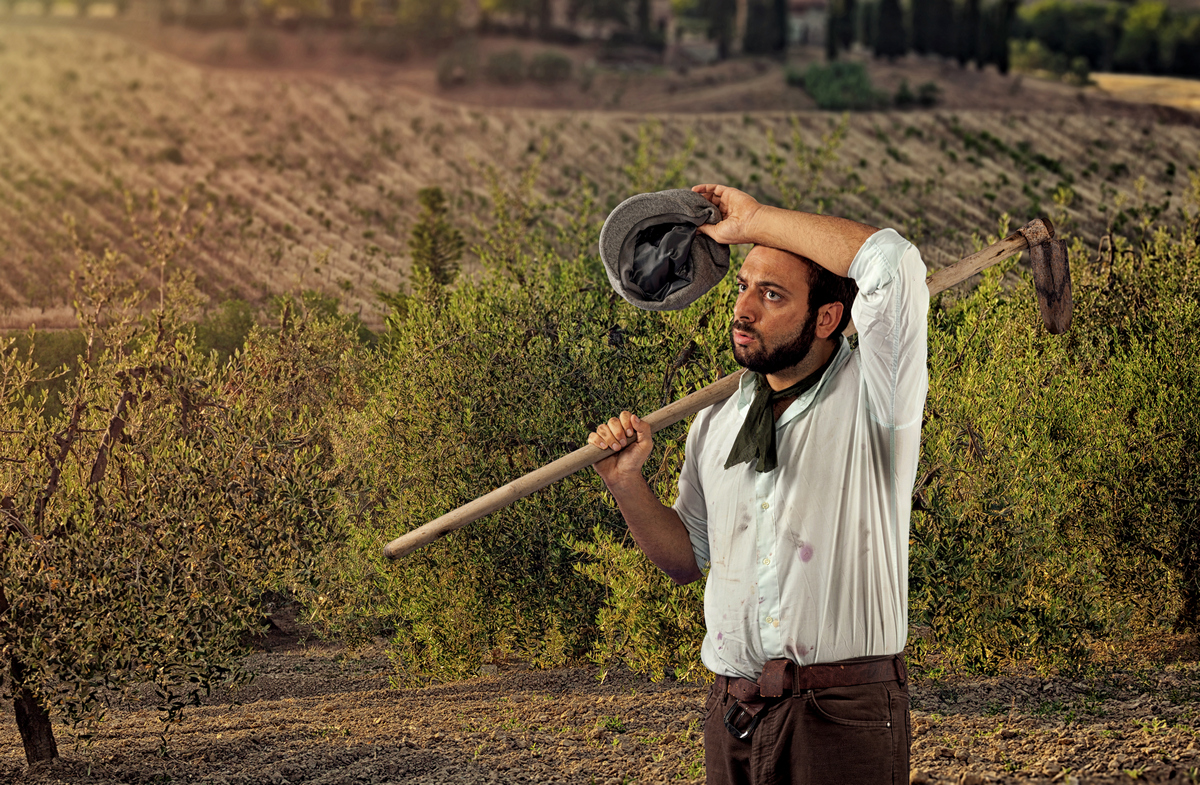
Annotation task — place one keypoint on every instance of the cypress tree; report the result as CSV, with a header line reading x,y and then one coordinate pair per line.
x,y
999,31
922,26
944,28
435,244
766,27
848,24
869,25
890,40
968,33
832,29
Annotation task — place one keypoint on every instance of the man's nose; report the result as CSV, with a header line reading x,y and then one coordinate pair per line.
x,y
743,308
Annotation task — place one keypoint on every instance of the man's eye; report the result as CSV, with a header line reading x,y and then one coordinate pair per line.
x,y
741,286
770,295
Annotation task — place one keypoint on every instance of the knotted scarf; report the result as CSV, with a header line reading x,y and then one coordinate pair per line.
x,y
756,439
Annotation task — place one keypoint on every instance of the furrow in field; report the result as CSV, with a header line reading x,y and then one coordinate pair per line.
x,y
314,178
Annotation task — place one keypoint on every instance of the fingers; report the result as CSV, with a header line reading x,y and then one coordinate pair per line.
x,y
616,433
710,191
640,427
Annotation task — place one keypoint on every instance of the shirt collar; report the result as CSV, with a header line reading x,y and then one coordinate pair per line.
x,y
801,404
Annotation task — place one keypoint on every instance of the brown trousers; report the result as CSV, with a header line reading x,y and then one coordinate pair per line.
x,y
856,735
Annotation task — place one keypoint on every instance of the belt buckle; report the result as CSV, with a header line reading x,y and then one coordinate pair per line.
x,y
734,731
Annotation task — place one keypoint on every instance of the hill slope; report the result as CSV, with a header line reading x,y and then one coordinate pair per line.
x,y
312,178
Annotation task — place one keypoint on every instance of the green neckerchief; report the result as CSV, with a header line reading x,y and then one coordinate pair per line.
x,y
756,439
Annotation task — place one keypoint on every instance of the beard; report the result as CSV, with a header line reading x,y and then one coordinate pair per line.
x,y
764,359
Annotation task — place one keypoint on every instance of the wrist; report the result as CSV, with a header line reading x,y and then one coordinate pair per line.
x,y
625,483
759,225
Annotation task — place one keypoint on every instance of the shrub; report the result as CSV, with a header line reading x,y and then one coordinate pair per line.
x,y
435,244
928,94
550,67
1053,508
537,337
904,97
165,502
841,85
507,68
1033,57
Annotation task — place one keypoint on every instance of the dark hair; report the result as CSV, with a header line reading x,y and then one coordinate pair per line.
x,y
825,287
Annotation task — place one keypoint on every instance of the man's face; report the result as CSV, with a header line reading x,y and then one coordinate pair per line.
x,y
772,328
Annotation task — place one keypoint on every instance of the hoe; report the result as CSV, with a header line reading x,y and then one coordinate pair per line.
x,y
1051,277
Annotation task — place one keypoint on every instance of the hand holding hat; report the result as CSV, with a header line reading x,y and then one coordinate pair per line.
x,y
738,211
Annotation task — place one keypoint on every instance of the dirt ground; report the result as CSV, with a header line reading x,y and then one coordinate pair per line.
x,y
316,713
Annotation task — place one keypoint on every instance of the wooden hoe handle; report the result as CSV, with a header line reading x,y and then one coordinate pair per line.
x,y
1036,231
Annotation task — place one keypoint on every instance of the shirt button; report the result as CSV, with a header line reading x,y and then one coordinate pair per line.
x,y
765,506
767,560
769,620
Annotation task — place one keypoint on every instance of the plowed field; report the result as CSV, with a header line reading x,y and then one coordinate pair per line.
x,y
312,177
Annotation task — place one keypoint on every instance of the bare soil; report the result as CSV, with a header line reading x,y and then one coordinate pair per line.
x,y
317,713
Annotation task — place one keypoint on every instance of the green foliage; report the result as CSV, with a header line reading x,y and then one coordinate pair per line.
x,y
550,67
436,247
1033,57
146,521
501,377
1143,37
647,171
809,188
1057,481
646,623
428,23
840,86
506,68
224,331
55,357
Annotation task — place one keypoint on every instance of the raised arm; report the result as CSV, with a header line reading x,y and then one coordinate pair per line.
x,y
829,241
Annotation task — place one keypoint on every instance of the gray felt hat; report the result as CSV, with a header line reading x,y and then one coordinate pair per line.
x,y
655,257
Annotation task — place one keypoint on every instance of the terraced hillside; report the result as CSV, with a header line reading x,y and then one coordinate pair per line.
x,y
312,179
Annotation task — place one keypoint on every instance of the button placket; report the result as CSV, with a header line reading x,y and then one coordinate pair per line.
x,y
768,573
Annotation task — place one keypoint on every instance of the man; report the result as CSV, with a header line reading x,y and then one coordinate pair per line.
x,y
796,494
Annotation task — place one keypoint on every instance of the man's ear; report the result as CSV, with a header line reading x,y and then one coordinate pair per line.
x,y
829,316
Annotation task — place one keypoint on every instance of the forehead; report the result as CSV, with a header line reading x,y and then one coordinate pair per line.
x,y
771,265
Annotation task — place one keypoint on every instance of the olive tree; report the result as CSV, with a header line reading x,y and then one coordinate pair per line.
x,y
144,523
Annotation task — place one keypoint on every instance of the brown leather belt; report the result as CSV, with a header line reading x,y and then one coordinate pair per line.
x,y
783,677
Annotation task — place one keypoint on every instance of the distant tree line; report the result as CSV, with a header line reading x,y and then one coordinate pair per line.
x,y
969,31
1144,37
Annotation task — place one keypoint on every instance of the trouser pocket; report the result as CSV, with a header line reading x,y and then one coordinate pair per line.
x,y
858,734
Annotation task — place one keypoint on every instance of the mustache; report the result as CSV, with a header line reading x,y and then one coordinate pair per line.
x,y
743,327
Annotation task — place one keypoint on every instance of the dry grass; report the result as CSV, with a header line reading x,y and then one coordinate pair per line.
x,y
1166,90
313,177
